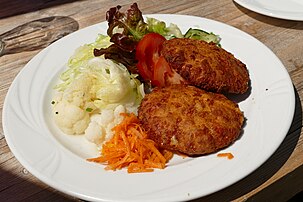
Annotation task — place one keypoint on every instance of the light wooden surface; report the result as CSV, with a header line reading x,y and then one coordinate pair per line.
x,y
278,179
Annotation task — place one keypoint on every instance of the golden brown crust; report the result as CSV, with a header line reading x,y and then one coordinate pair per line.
x,y
190,120
206,65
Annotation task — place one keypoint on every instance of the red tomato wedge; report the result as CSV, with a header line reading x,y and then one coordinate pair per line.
x,y
151,65
161,71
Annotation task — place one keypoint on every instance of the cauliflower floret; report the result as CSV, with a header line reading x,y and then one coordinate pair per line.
x,y
70,118
100,128
95,133
106,116
117,113
79,94
72,106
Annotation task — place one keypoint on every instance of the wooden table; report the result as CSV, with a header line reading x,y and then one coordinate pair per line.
x,y
278,179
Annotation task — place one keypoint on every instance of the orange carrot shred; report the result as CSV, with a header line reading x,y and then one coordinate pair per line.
x,y
228,155
131,148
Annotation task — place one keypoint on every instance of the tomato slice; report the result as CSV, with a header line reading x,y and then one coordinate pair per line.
x,y
161,71
148,54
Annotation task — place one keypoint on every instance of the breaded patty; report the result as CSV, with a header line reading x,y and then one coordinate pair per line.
x,y
187,119
206,65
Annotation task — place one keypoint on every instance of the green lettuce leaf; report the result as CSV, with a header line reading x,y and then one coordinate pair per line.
x,y
157,26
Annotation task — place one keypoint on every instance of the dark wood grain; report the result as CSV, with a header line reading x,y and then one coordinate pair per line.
x,y
9,8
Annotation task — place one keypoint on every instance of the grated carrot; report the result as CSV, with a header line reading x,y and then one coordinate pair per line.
x,y
228,155
131,148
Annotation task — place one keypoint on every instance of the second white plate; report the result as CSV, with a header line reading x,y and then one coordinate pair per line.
x,y
284,9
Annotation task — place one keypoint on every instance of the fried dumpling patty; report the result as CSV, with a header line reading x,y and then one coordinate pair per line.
x,y
187,119
206,65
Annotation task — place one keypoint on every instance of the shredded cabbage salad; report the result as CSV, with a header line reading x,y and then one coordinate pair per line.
x,y
91,85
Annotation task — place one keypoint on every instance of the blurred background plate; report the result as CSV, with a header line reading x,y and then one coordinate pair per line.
x,y
283,9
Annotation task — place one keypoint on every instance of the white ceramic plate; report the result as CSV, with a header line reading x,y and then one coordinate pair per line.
x,y
59,160
284,9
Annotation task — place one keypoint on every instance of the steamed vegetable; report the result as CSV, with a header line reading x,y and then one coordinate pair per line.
x,y
100,127
91,84
70,118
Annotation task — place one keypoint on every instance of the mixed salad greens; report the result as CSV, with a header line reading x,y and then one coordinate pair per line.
x,y
126,29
